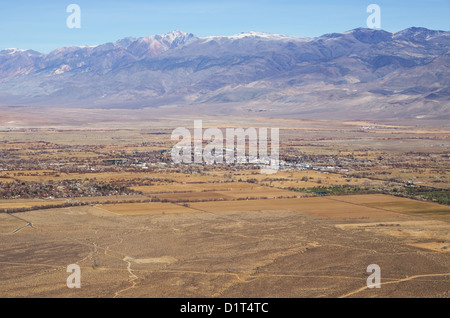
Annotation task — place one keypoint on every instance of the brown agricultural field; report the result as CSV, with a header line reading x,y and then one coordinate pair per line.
x,y
330,207
195,187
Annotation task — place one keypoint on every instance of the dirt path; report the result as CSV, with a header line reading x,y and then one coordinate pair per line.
x,y
132,277
395,282
93,246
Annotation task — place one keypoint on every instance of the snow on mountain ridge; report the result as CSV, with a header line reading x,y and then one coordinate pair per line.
x,y
177,37
255,34
14,50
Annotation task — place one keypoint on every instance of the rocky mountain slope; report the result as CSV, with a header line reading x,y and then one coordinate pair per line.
x,y
361,73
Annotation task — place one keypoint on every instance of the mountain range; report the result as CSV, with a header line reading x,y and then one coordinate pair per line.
x,y
362,73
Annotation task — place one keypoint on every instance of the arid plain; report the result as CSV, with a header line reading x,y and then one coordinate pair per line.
x,y
347,195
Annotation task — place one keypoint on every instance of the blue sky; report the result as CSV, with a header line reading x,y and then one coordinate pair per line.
x,y
41,25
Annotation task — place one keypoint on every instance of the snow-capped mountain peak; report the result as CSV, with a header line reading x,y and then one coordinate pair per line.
x,y
257,34
12,51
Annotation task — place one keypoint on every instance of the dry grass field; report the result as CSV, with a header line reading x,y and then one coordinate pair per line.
x,y
222,251
293,179
196,187
17,204
309,230
193,196
330,207
212,191
113,198
151,208
335,207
